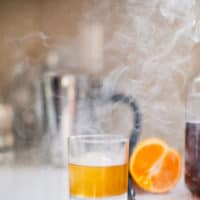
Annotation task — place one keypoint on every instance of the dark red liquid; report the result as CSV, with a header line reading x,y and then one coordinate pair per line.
x,y
192,157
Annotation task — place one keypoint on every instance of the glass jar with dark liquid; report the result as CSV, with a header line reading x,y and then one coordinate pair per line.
x,y
192,140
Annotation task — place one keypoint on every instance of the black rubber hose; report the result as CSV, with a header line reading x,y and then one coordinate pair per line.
x,y
134,133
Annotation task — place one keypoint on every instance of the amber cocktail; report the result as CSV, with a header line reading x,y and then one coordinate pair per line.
x,y
98,167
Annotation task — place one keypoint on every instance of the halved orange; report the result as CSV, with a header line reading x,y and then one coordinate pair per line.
x,y
154,166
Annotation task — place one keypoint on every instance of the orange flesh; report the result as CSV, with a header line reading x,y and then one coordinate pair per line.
x,y
143,162
154,166
89,181
169,172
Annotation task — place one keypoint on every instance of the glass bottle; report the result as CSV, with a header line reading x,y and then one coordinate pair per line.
x,y
192,139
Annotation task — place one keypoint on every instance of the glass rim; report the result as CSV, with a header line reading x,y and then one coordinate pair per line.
x,y
99,138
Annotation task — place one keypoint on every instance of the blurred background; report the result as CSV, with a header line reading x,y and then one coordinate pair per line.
x,y
60,60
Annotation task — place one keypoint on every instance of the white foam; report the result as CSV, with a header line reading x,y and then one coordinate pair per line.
x,y
97,159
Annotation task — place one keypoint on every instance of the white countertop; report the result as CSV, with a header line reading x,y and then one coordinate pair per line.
x,y
47,183
33,183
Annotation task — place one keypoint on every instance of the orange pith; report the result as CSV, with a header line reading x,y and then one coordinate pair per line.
x,y
154,166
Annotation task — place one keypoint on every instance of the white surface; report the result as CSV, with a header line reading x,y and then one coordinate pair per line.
x,y
45,183
33,183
